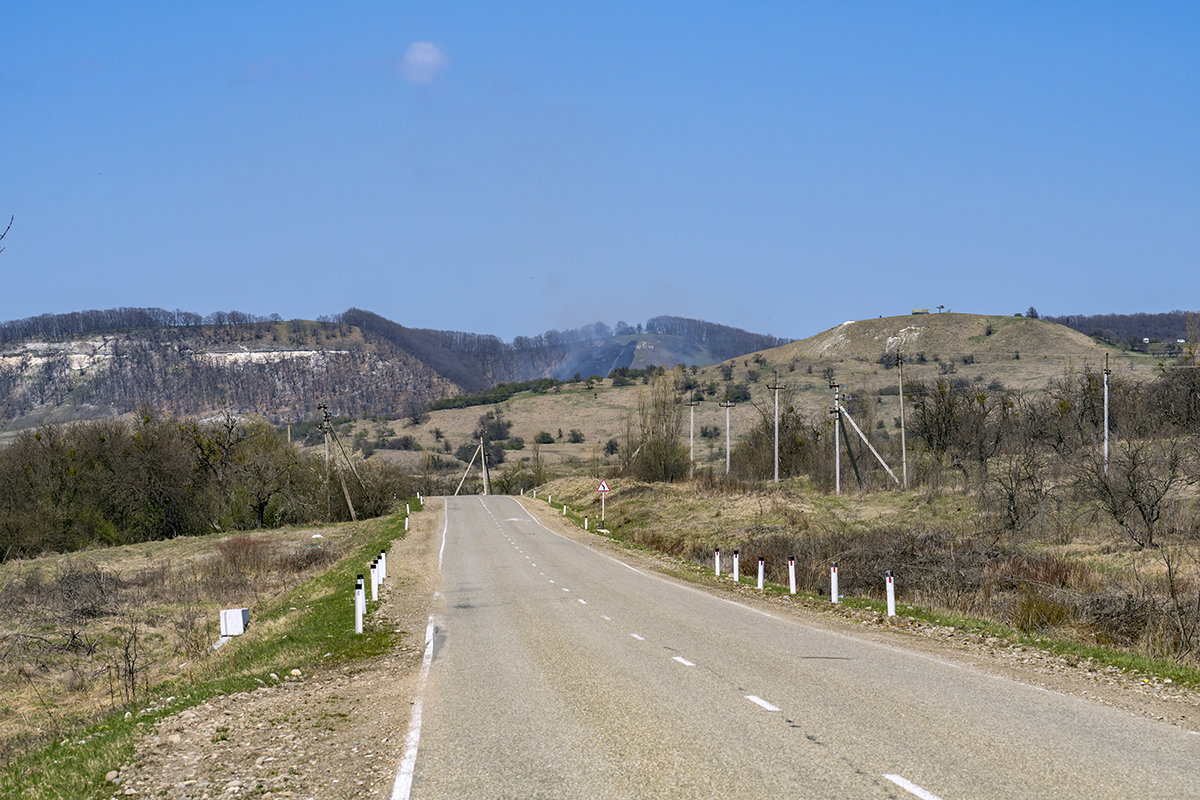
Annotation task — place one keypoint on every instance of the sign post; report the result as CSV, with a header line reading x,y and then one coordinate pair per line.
x,y
603,490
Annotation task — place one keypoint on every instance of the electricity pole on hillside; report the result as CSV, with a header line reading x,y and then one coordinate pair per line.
x,y
837,424
1107,372
726,404
692,438
324,409
775,388
903,445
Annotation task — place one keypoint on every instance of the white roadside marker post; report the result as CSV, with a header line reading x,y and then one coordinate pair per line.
x,y
585,523
833,587
564,509
792,574
406,523
406,509
382,565
760,573
891,593
374,581
359,602
717,559
736,568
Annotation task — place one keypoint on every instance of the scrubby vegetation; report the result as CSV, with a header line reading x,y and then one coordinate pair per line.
x,y
118,481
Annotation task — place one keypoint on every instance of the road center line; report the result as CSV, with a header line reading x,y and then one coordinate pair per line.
x,y
912,788
684,661
582,600
758,701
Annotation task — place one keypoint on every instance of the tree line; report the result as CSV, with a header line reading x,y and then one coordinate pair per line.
x,y
75,324
117,481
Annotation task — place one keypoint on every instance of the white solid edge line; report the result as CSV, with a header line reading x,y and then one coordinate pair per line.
x,y
445,527
912,788
758,701
639,638
404,778
684,661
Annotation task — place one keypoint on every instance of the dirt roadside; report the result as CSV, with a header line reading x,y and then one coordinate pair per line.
x,y
340,733
336,733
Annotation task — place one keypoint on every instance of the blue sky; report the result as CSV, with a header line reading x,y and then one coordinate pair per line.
x,y
510,168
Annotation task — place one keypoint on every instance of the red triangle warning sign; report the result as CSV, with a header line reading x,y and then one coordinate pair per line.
x,y
603,487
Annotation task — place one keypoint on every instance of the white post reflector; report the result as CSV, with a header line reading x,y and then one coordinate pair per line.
x,y
736,568
792,574
891,593
359,602
718,562
833,587
760,573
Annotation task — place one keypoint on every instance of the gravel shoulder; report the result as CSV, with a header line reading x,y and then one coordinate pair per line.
x,y
335,733
339,733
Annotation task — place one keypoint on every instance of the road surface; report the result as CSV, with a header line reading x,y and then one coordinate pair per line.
x,y
561,672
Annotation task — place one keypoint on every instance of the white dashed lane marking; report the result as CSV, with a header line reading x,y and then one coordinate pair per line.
x,y
684,661
912,788
758,701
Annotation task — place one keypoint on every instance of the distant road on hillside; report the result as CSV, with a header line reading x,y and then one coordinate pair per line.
x,y
560,672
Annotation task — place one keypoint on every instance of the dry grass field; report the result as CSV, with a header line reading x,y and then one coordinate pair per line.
x,y
88,632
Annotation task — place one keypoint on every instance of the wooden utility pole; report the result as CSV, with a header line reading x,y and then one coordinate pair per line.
x,y
903,445
1107,372
691,441
725,404
483,463
837,448
775,387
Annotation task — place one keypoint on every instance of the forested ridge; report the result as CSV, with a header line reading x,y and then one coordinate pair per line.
x,y
99,362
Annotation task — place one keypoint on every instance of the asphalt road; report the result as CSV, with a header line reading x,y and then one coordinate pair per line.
x,y
559,672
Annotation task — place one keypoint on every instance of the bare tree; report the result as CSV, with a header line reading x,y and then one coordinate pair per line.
x,y
6,230
1141,486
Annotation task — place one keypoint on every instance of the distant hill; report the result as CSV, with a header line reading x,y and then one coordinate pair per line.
x,y
1132,330
476,361
944,336
57,367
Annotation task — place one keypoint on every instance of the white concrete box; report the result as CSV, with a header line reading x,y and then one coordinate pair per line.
x,y
234,621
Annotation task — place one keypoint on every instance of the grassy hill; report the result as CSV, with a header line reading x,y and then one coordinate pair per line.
x,y
984,350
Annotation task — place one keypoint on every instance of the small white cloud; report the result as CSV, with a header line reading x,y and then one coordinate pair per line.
x,y
423,62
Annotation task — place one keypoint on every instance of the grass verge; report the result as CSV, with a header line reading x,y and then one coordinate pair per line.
x,y
311,624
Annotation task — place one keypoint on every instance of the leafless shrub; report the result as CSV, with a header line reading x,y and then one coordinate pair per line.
x,y
248,555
